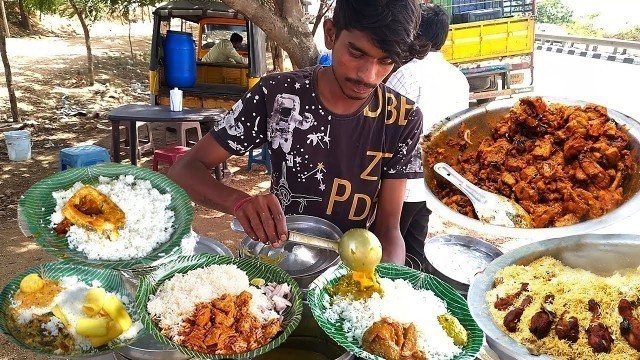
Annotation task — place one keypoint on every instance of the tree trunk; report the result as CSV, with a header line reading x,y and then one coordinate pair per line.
x,y
289,30
87,41
13,101
130,43
4,19
24,16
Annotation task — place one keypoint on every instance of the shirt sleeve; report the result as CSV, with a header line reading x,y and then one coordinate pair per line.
x,y
406,160
403,83
208,56
244,127
231,53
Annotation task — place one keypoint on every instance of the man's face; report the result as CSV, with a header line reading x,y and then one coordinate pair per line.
x,y
358,64
236,45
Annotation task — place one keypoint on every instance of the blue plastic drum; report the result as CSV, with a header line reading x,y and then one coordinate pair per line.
x,y
179,59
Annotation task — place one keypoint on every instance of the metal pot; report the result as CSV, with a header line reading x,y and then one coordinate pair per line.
x,y
600,254
309,342
303,263
481,120
455,249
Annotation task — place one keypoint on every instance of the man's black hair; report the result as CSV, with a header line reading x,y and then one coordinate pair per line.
x,y
434,26
236,38
391,24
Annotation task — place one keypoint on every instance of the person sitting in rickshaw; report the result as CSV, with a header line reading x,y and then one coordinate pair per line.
x,y
226,51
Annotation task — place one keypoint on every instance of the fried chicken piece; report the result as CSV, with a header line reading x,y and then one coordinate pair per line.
x,y
630,325
568,329
598,333
224,303
504,303
595,172
203,316
221,318
512,319
384,338
541,322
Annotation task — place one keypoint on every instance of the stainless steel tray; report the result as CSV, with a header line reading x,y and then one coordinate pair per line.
x,y
599,253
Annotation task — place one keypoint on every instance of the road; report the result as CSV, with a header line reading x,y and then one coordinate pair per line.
x,y
608,83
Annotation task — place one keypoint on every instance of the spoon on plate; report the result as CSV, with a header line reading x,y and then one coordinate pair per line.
x,y
359,249
491,208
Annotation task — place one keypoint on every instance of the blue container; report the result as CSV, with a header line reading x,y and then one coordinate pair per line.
x,y
179,59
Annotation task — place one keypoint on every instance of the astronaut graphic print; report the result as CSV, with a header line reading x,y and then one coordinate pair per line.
x,y
324,164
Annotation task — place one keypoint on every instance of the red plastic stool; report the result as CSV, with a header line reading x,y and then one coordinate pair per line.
x,y
168,155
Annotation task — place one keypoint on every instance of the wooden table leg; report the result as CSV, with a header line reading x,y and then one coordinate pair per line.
x,y
133,143
115,140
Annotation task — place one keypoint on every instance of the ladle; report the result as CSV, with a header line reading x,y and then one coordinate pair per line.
x,y
359,249
491,208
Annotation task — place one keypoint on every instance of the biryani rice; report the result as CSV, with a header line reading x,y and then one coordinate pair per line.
x,y
572,289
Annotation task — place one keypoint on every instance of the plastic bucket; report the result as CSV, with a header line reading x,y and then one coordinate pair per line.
x,y
18,144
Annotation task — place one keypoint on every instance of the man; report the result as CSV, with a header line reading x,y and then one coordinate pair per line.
x,y
226,51
340,141
439,89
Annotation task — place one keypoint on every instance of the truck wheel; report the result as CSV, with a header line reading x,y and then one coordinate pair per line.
x,y
484,101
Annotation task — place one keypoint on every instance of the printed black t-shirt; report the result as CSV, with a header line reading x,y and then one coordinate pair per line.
x,y
325,165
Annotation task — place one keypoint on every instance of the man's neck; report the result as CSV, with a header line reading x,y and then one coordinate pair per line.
x,y
332,96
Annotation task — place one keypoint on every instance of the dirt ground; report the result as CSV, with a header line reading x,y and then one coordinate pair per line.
x,y
49,75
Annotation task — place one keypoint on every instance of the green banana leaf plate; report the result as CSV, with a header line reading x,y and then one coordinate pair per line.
x,y
150,283
37,205
318,297
111,281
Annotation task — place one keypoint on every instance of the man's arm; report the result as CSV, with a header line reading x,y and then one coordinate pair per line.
x,y
387,223
261,216
231,53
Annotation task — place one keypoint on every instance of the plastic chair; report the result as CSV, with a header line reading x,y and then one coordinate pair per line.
x,y
80,156
168,155
263,157
143,144
181,131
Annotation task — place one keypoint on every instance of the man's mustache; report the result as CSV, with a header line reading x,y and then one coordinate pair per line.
x,y
360,83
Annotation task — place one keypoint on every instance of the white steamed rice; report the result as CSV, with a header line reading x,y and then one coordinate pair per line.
x,y
148,220
402,303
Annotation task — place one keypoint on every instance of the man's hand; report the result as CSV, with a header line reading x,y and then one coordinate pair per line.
x,y
387,223
263,219
261,216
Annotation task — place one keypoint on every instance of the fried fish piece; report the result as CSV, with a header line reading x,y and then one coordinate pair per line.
x,y
93,210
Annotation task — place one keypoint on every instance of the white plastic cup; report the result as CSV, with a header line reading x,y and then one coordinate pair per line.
x,y
18,144
175,97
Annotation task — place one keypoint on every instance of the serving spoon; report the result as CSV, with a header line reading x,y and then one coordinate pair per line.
x,y
359,249
491,208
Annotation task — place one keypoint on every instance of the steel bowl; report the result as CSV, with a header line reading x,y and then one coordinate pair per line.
x,y
601,254
303,263
482,118
462,249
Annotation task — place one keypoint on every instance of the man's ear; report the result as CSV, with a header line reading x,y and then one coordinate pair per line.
x,y
329,34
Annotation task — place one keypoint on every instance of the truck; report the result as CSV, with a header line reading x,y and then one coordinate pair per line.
x,y
492,43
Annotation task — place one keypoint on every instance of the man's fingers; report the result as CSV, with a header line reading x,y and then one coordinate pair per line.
x,y
256,224
279,219
268,225
246,225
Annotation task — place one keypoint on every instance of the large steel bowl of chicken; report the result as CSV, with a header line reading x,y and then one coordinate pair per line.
x,y
572,165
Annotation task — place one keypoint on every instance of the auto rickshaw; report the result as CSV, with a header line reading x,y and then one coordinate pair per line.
x,y
218,85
